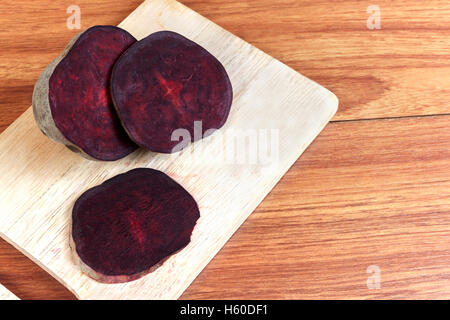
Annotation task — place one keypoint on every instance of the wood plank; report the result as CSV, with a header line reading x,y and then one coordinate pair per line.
x,y
26,279
402,69
40,180
364,193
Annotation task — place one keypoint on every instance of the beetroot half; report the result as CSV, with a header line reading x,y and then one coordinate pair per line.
x,y
127,226
166,82
71,100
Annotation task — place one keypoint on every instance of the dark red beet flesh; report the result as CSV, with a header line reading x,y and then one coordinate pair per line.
x,y
132,222
79,94
166,82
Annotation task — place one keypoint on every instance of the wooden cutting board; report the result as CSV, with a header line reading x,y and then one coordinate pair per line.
x,y
5,294
40,180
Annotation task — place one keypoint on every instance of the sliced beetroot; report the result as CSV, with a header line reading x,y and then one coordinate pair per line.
x,y
71,100
166,82
127,226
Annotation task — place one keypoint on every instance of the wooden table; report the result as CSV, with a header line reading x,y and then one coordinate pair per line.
x,y
372,193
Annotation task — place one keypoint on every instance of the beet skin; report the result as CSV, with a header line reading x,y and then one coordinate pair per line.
x,y
166,82
71,101
127,226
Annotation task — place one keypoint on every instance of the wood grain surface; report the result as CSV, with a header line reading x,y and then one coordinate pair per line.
x,y
41,180
366,193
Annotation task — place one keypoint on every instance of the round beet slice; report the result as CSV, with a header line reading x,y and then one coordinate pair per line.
x,y
166,82
71,100
127,226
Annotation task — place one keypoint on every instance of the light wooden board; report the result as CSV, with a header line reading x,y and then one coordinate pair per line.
x,y
5,294
40,180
